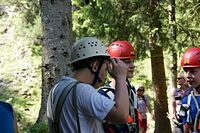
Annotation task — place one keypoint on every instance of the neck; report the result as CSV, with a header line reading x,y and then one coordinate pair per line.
x,y
80,75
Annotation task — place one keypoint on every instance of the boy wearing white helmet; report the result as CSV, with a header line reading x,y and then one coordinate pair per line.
x,y
83,108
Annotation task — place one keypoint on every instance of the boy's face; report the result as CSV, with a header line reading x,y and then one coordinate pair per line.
x,y
193,76
130,63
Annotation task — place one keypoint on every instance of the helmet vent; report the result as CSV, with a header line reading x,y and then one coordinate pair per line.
x,y
97,52
78,56
83,54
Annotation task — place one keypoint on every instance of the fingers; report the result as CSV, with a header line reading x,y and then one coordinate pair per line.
x,y
118,69
114,61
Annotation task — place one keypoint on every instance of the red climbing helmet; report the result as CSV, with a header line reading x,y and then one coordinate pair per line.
x,y
121,50
191,58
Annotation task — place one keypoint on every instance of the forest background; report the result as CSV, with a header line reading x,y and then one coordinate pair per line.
x,y
159,30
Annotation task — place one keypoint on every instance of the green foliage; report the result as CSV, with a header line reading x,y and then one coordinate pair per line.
x,y
30,8
114,20
129,20
39,128
20,62
188,30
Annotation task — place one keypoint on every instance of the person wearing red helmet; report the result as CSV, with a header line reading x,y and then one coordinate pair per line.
x,y
190,111
124,51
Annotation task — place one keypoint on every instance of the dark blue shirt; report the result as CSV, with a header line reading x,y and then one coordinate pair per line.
x,y
193,108
6,118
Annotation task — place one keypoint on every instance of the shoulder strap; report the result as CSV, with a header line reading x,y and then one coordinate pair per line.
x,y
195,100
76,107
105,90
51,123
132,110
188,111
197,115
62,98
55,115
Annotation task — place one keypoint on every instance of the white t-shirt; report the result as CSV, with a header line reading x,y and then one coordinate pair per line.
x,y
92,109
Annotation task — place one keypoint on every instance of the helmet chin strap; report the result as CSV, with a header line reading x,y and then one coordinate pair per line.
x,y
96,74
129,86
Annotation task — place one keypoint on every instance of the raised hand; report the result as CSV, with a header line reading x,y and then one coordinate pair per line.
x,y
118,69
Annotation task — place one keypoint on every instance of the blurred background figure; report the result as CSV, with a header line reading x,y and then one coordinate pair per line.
x,y
182,91
143,105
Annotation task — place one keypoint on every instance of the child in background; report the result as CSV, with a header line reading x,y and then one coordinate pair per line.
x,y
143,104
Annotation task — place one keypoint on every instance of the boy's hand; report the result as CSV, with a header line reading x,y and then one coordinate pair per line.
x,y
118,69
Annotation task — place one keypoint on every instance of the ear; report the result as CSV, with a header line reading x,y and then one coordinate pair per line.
x,y
95,66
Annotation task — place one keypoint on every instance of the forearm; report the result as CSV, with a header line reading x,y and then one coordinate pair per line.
x,y
185,129
121,97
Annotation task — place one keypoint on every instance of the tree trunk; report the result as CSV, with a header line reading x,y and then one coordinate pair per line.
x,y
172,29
173,68
162,123
56,19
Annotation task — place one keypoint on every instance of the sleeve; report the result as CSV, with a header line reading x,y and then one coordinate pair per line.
x,y
93,103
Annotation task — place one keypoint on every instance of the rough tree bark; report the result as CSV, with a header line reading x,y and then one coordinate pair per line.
x,y
56,19
162,123
173,51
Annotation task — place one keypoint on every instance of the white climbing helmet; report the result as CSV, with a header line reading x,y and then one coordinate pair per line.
x,y
87,47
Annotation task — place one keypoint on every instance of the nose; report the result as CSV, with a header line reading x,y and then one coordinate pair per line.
x,y
188,74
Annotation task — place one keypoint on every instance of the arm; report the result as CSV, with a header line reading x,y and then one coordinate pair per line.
x,y
173,105
15,123
149,106
120,111
185,129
